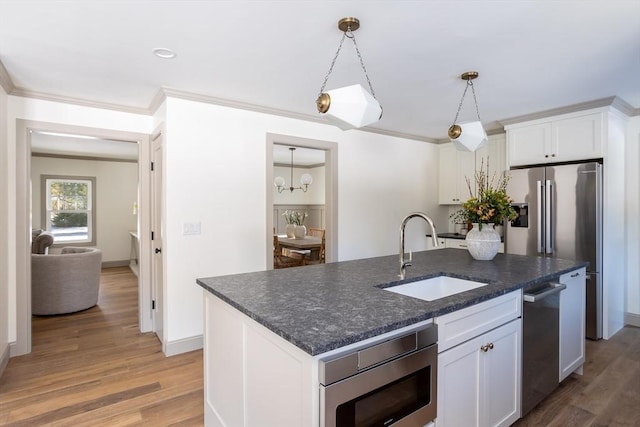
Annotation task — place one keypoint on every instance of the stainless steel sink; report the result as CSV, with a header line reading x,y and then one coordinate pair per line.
x,y
435,288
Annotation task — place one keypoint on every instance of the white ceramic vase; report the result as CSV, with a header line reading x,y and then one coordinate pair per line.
x,y
299,232
483,244
290,230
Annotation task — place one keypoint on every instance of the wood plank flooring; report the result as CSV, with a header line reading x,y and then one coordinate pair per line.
x,y
607,394
94,368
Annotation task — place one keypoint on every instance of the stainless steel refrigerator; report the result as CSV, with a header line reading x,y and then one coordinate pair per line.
x,y
560,215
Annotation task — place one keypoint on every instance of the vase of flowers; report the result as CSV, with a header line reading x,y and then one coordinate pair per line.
x,y
491,205
295,224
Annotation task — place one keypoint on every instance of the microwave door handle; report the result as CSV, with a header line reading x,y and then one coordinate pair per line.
x,y
548,206
539,216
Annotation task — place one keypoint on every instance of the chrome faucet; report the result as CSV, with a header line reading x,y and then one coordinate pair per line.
x,y
404,263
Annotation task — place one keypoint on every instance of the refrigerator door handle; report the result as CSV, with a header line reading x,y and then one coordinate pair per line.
x,y
548,209
539,217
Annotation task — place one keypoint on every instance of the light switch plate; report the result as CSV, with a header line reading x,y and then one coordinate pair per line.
x,y
191,228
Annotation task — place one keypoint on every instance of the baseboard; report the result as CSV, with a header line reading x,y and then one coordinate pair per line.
x,y
112,264
184,345
4,359
632,319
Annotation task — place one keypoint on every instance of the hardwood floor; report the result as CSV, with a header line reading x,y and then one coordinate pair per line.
x,y
95,368
608,394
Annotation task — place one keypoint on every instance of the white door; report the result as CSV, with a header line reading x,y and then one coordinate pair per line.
x,y
156,241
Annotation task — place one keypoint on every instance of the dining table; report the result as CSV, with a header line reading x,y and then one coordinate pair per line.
x,y
310,243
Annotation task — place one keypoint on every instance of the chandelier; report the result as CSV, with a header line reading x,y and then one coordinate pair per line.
x,y
305,179
468,136
352,106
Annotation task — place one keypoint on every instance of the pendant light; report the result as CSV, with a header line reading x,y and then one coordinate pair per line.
x,y
468,136
305,180
351,106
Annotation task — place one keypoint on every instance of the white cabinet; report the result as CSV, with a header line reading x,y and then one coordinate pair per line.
x,y
462,244
566,138
478,381
479,364
441,243
456,166
572,322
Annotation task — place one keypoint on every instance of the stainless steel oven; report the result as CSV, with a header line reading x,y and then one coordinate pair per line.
x,y
392,383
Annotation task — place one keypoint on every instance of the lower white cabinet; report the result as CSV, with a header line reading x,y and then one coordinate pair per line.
x,y
479,378
572,322
462,244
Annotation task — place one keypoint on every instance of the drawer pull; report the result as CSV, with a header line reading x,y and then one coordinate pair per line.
x,y
487,347
575,274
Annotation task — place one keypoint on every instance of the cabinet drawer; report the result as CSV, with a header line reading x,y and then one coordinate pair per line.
x,y
462,244
462,325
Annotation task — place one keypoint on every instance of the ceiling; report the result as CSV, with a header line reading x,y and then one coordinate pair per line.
x,y
531,55
86,146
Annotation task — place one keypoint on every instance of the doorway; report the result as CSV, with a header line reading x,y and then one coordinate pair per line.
x,y
24,133
330,217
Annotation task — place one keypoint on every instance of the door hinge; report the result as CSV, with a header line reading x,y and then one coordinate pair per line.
x,y
152,235
151,166
153,304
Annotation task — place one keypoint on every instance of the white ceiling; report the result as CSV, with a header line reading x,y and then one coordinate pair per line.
x,y
531,55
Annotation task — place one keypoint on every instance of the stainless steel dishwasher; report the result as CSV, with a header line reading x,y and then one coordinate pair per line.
x,y
540,343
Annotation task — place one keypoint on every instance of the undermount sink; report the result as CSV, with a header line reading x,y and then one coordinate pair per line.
x,y
435,288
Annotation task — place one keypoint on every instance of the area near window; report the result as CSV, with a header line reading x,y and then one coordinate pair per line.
x,y
69,208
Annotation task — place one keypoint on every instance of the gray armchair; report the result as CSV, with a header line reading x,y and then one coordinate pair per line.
x,y
65,282
40,241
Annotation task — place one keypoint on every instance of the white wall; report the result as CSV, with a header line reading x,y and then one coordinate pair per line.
x,y
380,180
52,112
4,231
632,226
116,190
314,194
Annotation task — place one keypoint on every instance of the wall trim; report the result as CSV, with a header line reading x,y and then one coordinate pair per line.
x,y
4,359
73,157
183,345
612,101
632,319
26,93
5,80
175,93
117,263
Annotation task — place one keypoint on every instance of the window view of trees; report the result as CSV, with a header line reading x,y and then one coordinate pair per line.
x,y
68,209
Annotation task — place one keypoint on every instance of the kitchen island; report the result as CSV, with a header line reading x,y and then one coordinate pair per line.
x,y
257,323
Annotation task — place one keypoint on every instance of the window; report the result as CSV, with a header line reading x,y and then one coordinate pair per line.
x,y
69,208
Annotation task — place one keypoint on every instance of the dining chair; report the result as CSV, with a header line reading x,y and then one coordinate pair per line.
x,y
316,232
321,255
283,261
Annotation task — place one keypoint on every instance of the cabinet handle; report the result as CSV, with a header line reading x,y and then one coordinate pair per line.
x,y
575,274
487,347
553,155
546,155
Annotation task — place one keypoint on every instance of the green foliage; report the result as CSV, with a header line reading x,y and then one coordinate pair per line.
x,y
69,220
491,204
294,217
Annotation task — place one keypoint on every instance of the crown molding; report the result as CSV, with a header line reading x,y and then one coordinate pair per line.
x,y
75,157
189,96
612,101
157,101
5,79
18,91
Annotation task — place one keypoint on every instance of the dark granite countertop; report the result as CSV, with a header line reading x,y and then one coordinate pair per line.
x,y
323,307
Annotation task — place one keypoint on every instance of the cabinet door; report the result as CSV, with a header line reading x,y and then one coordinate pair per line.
x,y
456,243
500,402
459,370
448,175
577,138
494,154
479,380
529,144
572,322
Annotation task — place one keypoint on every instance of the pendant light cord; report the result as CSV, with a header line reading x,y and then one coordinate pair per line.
x,y
351,36
469,83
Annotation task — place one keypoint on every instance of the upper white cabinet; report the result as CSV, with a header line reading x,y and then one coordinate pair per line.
x,y
456,166
566,138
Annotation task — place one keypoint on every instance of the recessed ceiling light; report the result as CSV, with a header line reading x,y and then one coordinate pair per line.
x,y
164,53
